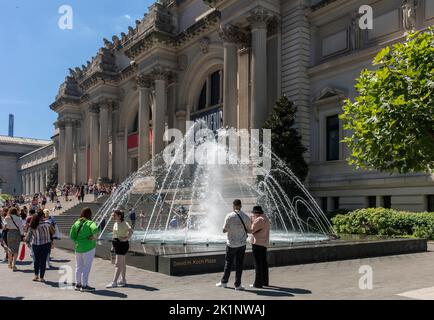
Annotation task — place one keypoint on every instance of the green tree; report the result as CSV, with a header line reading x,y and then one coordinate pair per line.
x,y
285,139
391,121
53,176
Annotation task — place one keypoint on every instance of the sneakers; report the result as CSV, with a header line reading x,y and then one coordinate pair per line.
x,y
111,285
87,289
122,284
257,287
221,285
239,288
77,287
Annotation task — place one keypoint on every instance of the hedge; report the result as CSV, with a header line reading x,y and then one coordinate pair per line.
x,y
386,222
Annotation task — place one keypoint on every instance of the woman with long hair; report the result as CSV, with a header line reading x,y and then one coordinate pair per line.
x,y
122,232
39,239
14,227
84,233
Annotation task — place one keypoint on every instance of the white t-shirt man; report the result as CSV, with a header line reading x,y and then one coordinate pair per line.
x,y
237,236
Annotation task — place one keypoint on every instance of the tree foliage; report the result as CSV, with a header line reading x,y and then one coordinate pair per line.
x,y
53,177
391,121
285,140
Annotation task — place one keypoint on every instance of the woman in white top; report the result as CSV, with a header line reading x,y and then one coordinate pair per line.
x,y
14,227
122,232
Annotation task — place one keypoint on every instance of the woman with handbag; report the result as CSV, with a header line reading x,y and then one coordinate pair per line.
x,y
84,233
39,239
260,241
122,232
15,234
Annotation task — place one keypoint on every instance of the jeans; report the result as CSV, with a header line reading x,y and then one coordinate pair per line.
x,y
40,253
238,255
261,266
84,264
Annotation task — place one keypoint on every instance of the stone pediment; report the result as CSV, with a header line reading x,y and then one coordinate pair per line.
x,y
328,93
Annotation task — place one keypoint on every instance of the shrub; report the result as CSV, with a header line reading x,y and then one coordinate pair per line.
x,y
386,222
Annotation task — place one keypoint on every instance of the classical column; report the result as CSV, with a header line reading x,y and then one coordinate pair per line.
x,y
144,84
23,184
41,182
181,116
158,121
230,36
61,164
68,152
103,142
258,20
46,176
115,144
27,184
32,183
94,142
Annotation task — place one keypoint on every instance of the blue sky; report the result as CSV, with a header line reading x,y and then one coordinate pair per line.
x,y
35,53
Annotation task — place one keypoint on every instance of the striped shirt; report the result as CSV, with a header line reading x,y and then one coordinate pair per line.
x,y
40,235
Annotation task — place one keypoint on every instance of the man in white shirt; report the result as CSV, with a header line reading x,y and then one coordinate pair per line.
x,y
237,226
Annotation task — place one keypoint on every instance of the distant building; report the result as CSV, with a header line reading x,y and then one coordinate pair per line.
x,y
11,150
11,125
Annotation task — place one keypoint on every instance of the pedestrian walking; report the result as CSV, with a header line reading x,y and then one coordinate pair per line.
x,y
84,234
237,226
132,216
39,240
15,233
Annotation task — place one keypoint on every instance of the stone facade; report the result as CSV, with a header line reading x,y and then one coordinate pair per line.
x,y
227,61
12,150
34,168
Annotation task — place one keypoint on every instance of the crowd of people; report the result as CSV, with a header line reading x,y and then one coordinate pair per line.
x,y
37,230
34,228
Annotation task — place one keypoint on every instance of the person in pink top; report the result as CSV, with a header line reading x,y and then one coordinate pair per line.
x,y
260,240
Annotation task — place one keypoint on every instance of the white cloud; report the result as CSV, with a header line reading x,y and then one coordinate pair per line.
x,y
127,16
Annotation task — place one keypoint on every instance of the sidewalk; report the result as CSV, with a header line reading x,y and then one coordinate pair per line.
x,y
409,275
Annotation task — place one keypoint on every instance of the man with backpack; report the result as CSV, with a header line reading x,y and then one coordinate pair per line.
x,y
237,226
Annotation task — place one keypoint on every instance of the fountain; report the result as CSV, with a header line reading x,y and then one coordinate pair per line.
x,y
185,198
185,202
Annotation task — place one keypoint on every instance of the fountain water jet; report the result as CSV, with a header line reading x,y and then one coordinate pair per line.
x,y
206,190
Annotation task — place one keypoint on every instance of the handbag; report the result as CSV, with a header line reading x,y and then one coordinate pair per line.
x,y
23,252
22,236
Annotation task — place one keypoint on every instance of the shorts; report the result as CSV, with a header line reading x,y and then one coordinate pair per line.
x,y
121,247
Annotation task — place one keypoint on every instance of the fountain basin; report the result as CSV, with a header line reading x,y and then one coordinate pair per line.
x,y
184,260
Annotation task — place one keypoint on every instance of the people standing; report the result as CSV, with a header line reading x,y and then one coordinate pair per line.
x,y
50,220
132,216
237,226
95,193
122,232
15,233
39,240
142,220
260,241
81,196
84,234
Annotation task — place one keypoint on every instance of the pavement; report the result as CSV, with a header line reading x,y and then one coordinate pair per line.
x,y
400,277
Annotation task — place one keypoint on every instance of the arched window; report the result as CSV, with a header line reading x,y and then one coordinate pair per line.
x,y
211,93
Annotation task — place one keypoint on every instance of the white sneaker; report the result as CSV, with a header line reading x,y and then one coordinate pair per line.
x,y
221,285
239,288
111,285
122,284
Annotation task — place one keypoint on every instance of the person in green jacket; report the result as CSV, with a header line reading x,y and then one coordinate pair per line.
x,y
84,233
